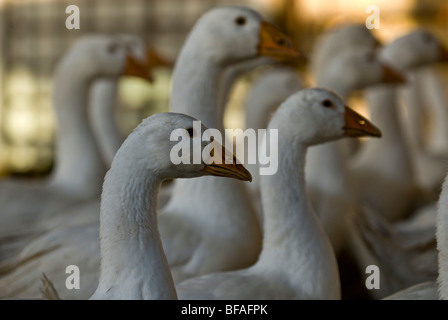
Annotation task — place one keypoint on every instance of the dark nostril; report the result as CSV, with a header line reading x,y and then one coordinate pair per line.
x,y
280,41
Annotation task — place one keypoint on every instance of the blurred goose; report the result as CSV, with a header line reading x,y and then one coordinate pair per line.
x,y
326,171
133,263
388,164
104,98
425,90
405,251
297,260
433,88
330,42
437,289
202,233
79,169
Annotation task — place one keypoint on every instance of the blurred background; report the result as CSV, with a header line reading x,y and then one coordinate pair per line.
x,y
33,37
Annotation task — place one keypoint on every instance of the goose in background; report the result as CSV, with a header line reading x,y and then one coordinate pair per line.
x,y
202,233
438,288
388,165
297,260
427,142
328,179
104,99
79,168
133,262
331,41
429,167
433,89
393,235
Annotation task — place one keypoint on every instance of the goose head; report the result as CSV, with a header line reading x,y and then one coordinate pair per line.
x,y
318,115
353,34
414,50
232,34
108,56
156,141
359,67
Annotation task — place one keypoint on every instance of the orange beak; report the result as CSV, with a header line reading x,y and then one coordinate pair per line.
x,y
275,44
228,166
390,75
358,126
156,60
137,68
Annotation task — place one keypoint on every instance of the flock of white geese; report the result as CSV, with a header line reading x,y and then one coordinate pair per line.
x,y
140,227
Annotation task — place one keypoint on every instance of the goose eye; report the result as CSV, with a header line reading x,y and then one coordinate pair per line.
x,y
240,21
190,132
327,103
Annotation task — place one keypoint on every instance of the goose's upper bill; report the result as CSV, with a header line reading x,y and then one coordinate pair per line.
x,y
391,75
357,126
274,43
225,169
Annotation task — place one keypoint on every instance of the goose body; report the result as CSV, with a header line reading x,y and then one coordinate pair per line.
x,y
79,168
388,165
297,260
394,235
438,288
33,246
216,233
326,170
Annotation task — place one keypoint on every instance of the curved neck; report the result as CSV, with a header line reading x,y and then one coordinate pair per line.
x,y
79,166
133,263
435,96
415,117
382,102
195,88
396,158
103,101
293,235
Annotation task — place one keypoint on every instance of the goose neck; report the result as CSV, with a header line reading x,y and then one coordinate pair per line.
x,y
292,234
78,162
133,262
195,88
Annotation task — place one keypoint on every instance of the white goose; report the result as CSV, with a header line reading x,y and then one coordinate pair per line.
x,y
79,168
433,90
388,165
356,67
202,233
297,260
438,289
133,263
404,251
425,93
335,39
104,98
